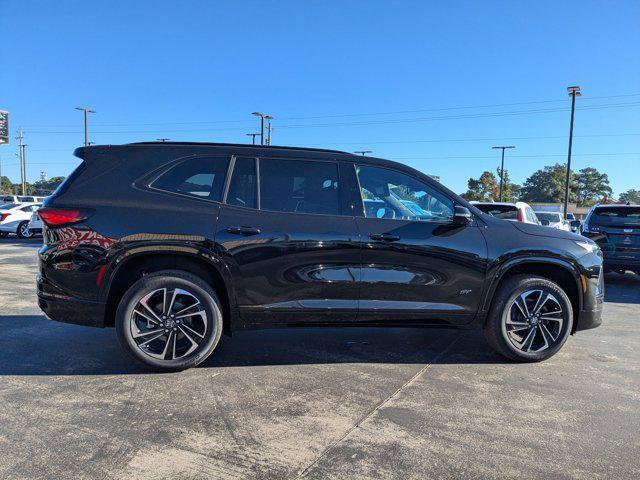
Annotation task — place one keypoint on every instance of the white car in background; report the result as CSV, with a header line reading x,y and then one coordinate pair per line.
x,y
35,224
553,220
515,212
15,217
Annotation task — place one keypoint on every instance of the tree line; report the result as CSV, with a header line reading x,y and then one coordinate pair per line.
x,y
587,187
40,188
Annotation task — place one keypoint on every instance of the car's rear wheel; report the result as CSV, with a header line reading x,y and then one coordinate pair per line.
x,y
23,230
169,321
530,319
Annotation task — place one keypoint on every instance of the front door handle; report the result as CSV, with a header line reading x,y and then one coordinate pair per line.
x,y
246,231
385,237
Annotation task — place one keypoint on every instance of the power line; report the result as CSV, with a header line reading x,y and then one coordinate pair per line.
x,y
368,122
347,115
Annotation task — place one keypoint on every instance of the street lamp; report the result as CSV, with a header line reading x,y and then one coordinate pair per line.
x,y
363,152
253,137
502,168
573,93
262,117
86,132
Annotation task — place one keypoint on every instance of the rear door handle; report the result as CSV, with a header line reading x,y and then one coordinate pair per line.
x,y
385,237
246,231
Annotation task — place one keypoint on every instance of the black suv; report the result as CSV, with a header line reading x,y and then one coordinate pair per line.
x,y
175,243
616,229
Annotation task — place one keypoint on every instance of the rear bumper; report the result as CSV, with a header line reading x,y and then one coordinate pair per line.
x,y
615,262
78,312
67,309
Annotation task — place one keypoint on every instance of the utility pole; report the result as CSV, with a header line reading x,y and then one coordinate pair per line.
x,y
502,169
573,93
262,118
269,130
253,137
23,169
86,129
363,152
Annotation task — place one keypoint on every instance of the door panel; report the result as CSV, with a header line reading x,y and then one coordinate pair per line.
x,y
298,268
431,271
416,264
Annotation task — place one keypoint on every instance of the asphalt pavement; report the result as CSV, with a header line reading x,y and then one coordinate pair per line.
x,y
331,403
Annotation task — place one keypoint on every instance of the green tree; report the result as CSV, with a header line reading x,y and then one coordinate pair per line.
x,y
487,188
590,186
482,189
45,187
547,185
510,191
630,196
6,187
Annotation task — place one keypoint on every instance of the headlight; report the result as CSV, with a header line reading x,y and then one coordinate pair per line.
x,y
588,246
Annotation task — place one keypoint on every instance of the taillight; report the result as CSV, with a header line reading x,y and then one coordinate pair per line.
x,y
54,217
520,218
3,216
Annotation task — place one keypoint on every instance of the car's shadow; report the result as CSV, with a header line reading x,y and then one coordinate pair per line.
x,y
33,345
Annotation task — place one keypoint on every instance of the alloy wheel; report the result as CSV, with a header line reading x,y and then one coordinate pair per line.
x,y
24,231
534,321
168,324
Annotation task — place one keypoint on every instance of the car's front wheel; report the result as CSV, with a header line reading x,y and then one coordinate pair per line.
x,y
23,230
169,321
530,319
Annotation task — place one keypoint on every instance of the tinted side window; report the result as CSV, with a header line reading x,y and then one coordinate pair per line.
x,y
299,186
201,177
390,194
243,185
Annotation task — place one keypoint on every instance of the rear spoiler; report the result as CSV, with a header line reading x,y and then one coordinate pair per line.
x,y
91,152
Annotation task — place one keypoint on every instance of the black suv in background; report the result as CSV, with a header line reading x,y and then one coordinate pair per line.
x,y
176,243
616,229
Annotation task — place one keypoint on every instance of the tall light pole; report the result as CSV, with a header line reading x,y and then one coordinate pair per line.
x,y
363,152
262,117
573,93
86,130
253,137
502,168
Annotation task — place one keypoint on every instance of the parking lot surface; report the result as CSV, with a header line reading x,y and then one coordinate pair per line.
x,y
315,403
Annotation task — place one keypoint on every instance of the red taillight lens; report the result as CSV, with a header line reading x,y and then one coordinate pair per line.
x,y
3,216
54,217
520,219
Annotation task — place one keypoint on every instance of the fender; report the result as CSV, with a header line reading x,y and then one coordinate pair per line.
x,y
497,271
210,256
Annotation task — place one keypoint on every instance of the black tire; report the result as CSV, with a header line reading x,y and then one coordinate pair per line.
x,y
22,228
169,279
495,328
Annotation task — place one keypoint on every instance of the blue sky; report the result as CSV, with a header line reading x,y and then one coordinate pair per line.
x,y
392,77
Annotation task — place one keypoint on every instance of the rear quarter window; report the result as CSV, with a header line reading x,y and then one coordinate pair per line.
x,y
506,212
199,177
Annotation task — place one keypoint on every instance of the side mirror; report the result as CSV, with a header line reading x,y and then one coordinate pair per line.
x,y
575,223
461,215
544,222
